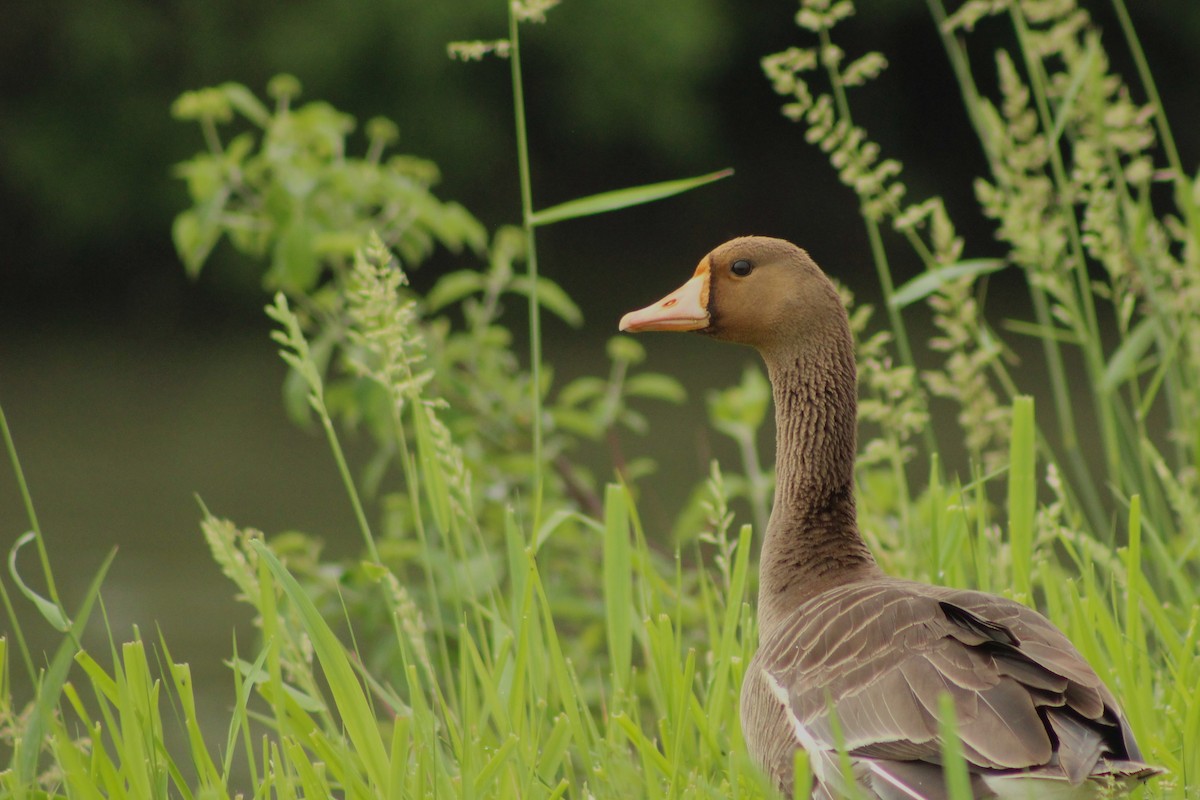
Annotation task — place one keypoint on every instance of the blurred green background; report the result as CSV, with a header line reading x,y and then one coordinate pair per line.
x,y
130,389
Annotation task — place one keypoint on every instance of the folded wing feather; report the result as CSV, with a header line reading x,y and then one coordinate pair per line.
x,y
879,654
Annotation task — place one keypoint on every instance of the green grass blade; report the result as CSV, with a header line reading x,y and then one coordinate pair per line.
x,y
1036,331
52,612
1178,173
554,748
802,778
954,768
239,721
1133,573
488,773
51,685
437,488
18,635
310,777
733,609
4,686
929,282
618,583
19,473
647,749
207,773
622,198
850,789
401,745
559,671
1122,366
1022,494
102,684
140,725
77,777
357,716
680,729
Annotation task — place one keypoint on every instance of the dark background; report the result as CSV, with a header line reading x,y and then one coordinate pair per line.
x,y
131,389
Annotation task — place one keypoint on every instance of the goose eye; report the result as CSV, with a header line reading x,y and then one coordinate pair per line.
x,y
741,268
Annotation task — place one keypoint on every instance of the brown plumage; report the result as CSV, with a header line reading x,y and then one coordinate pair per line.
x,y
838,636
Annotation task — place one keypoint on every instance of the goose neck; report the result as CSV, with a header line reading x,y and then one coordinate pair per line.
x,y
812,541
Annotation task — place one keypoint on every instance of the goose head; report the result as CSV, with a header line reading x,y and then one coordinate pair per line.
x,y
753,290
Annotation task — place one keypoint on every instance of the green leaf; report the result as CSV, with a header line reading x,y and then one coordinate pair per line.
x,y
202,104
581,390
455,226
551,295
454,287
635,422
340,244
581,423
294,263
929,282
244,101
622,198
1123,364
195,233
625,348
656,386
740,410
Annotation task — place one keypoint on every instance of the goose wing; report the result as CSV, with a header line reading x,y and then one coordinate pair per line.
x,y
873,659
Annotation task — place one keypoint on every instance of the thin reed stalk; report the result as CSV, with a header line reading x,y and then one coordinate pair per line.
x,y
531,261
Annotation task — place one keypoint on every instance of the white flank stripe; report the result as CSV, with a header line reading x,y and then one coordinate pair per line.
x,y
880,772
816,753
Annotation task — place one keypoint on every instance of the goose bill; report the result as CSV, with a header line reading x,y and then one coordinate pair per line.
x,y
684,309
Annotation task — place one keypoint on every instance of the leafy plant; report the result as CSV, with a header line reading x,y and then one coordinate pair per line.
x,y
287,189
295,197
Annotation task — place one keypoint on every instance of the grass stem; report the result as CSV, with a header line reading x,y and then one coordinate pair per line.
x,y
1081,308
30,512
1178,176
878,251
531,263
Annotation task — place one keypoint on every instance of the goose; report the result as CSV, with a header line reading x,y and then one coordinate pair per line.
x,y
843,644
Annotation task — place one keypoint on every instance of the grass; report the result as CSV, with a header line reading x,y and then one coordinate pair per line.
x,y
511,629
